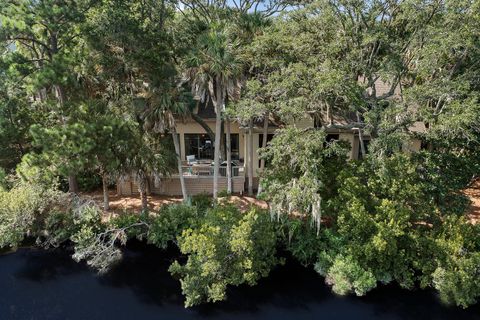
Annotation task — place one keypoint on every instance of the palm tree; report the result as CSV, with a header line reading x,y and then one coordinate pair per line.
x,y
147,154
161,107
214,72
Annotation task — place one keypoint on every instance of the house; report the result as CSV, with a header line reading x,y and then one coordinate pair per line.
x,y
197,152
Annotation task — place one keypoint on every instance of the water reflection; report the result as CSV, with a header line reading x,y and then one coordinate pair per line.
x,y
38,284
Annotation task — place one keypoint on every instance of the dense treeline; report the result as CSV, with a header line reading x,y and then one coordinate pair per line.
x,y
91,91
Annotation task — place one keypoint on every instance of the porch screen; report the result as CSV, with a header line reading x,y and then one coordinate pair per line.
x,y
202,147
199,145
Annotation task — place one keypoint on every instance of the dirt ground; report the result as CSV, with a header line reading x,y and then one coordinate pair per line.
x,y
119,204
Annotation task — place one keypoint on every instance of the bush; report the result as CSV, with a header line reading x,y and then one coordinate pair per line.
x,y
393,222
171,221
134,225
345,276
300,238
89,181
227,248
3,179
459,281
202,201
23,210
59,227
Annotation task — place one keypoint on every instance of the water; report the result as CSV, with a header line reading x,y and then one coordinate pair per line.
x,y
37,284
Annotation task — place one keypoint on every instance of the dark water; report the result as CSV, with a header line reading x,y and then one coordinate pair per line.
x,y
36,284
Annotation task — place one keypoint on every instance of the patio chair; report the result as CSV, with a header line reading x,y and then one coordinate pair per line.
x,y
191,160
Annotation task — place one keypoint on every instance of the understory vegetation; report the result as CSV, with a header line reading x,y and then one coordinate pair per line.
x,y
378,225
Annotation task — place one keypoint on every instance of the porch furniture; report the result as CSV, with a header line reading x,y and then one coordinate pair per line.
x,y
202,169
191,160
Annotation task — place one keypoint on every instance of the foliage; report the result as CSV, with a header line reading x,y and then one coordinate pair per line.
x,y
92,243
21,209
345,275
394,222
171,221
302,173
300,239
202,201
3,178
456,276
59,228
225,249
89,181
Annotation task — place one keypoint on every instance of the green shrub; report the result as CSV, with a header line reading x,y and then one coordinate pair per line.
x,y
459,281
227,248
59,227
135,225
300,238
89,181
345,276
202,201
23,209
3,178
170,222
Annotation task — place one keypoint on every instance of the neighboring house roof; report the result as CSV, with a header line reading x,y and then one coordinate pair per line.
x,y
418,127
382,87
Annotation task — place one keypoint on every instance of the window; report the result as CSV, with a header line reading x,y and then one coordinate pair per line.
x,y
203,148
260,139
199,145
234,145
332,137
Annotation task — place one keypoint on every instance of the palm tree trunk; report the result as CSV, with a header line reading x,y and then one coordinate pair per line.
x,y
264,145
250,157
176,143
142,189
216,167
229,156
106,201
222,142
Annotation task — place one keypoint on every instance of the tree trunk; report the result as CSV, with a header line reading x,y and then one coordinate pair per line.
x,y
72,184
250,157
222,142
176,143
362,144
204,125
142,189
264,145
360,137
216,167
72,180
329,115
106,201
264,140
229,156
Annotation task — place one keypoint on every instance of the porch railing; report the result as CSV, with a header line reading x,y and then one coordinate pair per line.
x,y
207,171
